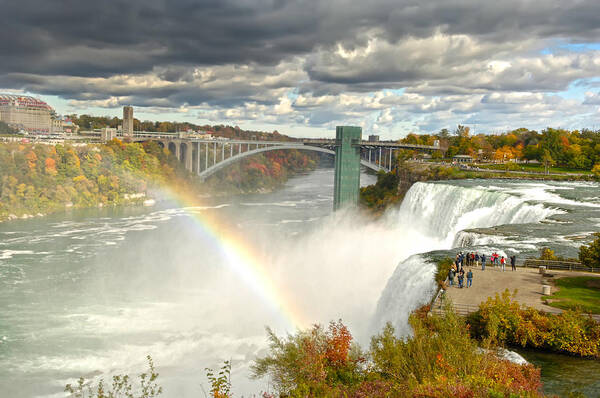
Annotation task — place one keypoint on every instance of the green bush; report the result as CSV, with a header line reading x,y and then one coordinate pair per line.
x,y
438,360
500,320
589,255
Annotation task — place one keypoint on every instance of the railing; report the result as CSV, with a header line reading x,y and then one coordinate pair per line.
x,y
459,309
559,265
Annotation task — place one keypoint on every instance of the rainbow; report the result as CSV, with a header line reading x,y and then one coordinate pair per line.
x,y
243,260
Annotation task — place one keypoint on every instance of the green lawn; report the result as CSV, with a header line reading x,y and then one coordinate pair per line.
x,y
536,167
577,292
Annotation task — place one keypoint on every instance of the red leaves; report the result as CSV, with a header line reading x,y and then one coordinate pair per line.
x,y
338,344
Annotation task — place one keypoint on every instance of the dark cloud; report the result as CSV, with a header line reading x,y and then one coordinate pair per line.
x,y
248,55
105,37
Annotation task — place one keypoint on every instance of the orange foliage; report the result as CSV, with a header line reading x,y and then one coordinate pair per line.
x,y
50,166
31,159
257,166
338,343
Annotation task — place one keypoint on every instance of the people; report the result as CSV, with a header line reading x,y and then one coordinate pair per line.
x,y
483,262
451,276
513,262
461,278
469,278
502,263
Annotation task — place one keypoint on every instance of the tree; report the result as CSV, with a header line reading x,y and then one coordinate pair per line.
x,y
548,254
596,170
589,255
6,129
462,131
444,134
547,161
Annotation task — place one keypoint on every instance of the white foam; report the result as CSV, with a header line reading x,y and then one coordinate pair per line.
x,y
6,254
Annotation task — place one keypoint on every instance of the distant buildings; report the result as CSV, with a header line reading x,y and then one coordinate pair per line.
x,y
33,116
108,134
462,159
373,138
64,125
26,113
128,121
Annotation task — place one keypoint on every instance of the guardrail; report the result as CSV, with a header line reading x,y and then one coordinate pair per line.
x,y
459,309
559,265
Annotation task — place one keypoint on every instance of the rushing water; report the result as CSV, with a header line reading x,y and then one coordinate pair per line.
x,y
93,292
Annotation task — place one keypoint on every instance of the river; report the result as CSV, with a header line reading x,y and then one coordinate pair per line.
x,y
93,292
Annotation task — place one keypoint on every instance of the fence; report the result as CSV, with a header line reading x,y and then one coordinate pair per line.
x,y
460,309
559,265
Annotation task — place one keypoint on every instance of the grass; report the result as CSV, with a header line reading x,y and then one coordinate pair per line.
x,y
577,292
532,167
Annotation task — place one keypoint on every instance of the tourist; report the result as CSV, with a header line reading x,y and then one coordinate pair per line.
x,y
483,262
513,262
461,278
469,278
451,276
502,263
477,259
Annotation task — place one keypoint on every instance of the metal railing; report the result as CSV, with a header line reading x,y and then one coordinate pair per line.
x,y
558,265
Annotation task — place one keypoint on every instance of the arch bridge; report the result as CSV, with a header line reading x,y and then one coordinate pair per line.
x,y
205,157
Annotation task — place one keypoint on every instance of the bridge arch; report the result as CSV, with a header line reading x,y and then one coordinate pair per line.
x,y
216,167
172,147
183,151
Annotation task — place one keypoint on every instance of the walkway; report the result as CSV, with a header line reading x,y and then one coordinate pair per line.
x,y
527,281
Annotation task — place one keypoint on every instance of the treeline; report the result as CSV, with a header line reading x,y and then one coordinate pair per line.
x,y
88,122
573,149
38,178
6,129
262,172
44,178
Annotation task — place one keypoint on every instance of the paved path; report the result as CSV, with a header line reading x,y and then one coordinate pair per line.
x,y
527,281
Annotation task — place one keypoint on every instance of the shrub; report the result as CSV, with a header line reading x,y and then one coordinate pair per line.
x,y
590,255
439,360
312,363
121,386
501,321
220,384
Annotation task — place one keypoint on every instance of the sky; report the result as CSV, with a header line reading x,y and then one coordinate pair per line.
x,y
303,67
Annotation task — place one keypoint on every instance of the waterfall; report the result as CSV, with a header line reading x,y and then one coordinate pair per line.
x,y
437,213
441,211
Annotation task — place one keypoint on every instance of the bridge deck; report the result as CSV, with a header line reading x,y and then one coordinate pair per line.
x,y
314,142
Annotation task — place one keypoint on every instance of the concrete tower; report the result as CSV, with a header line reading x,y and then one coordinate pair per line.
x,y
128,121
347,166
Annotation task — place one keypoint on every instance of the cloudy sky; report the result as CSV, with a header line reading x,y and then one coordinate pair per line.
x,y
304,66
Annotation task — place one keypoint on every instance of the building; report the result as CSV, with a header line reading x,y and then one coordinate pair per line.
x,y
373,138
128,121
108,134
26,113
462,159
64,125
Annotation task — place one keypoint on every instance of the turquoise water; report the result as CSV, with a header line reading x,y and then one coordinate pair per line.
x,y
562,374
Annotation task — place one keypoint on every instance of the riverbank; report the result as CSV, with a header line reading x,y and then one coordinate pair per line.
x,y
41,179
